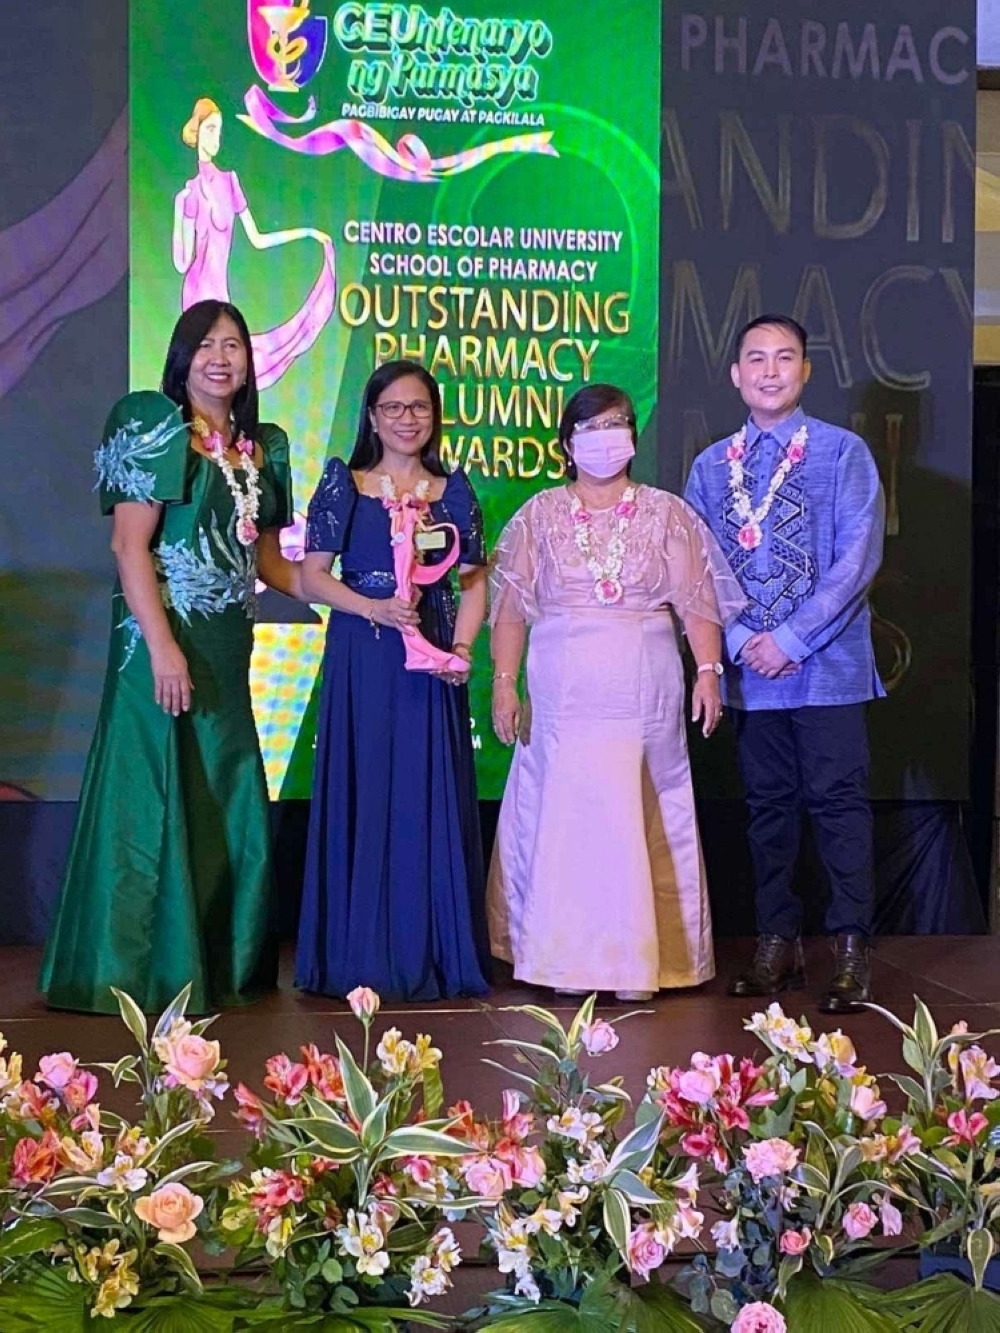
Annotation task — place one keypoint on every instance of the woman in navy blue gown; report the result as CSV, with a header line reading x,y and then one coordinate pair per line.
x,y
394,888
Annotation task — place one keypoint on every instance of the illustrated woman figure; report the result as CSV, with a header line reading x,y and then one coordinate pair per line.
x,y
205,214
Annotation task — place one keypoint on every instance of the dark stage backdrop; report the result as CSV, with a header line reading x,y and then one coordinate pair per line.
x,y
817,161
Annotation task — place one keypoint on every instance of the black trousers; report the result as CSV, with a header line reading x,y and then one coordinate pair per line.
x,y
817,759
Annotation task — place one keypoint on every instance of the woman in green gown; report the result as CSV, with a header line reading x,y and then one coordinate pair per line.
x,y
169,878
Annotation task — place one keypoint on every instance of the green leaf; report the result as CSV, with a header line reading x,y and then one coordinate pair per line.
x,y
829,1306
979,1247
942,1304
413,1139
30,1235
182,1314
90,1217
177,1008
924,1026
181,1260
584,1017
787,1269
910,1087
133,1017
361,1097
617,1220
433,1091
172,1135
636,1149
373,1130
182,1172
655,1308
913,1055
338,1142
44,1299
724,1306
543,1016
634,1189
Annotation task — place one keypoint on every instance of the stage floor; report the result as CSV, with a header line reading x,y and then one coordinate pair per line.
x,y
957,976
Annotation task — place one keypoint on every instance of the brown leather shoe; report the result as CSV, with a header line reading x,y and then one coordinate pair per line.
x,y
851,986
778,965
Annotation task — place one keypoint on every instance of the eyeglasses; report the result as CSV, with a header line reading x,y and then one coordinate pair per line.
x,y
419,410
603,423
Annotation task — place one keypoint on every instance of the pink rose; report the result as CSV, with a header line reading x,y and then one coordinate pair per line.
x,y
735,453
80,1091
189,1061
759,1318
795,453
795,1242
489,1177
866,1104
626,509
55,1071
35,1161
859,1221
645,1252
770,1157
364,1003
171,1210
599,1037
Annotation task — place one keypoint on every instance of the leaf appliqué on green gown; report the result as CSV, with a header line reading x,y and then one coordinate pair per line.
x,y
118,460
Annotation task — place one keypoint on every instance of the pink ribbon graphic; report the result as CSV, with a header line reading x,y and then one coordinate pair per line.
x,y
410,160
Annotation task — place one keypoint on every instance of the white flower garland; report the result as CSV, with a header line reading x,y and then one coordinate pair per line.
x,y
751,519
607,570
388,488
247,502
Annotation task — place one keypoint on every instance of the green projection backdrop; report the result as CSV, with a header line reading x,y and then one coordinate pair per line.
x,y
477,188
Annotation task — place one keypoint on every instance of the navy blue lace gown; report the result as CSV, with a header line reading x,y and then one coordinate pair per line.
x,y
394,887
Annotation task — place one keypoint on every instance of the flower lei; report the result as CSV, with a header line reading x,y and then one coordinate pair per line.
x,y
247,502
751,519
607,571
390,495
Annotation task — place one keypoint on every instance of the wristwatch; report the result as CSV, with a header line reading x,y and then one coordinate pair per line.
x,y
717,667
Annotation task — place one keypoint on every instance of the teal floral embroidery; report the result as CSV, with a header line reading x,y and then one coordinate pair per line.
x,y
219,574
129,626
118,461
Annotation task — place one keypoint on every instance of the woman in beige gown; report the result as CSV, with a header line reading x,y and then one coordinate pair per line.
x,y
597,881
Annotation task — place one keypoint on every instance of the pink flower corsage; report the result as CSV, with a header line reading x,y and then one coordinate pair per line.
x,y
735,453
796,453
581,516
625,509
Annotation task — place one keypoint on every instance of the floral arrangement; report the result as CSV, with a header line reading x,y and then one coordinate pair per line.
x,y
578,1204
797,1149
342,1218
353,1174
98,1213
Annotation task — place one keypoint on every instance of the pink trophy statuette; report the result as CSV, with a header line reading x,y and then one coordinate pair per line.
x,y
407,520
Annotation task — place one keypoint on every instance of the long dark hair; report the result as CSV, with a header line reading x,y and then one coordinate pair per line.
x,y
368,446
589,402
189,332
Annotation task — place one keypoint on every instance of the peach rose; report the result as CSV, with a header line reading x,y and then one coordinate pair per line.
x,y
171,1210
189,1060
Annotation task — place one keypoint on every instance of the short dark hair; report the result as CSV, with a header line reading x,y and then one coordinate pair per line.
x,y
773,321
588,402
189,332
368,446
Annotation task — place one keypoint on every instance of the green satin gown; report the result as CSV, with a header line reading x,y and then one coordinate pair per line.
x,y
169,878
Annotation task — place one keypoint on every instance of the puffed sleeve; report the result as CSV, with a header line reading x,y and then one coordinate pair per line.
x,y
514,571
145,452
464,510
277,464
699,579
331,509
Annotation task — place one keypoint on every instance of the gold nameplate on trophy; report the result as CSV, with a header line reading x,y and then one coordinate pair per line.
x,y
431,541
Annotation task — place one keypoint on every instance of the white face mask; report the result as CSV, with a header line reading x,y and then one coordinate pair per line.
x,y
603,453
